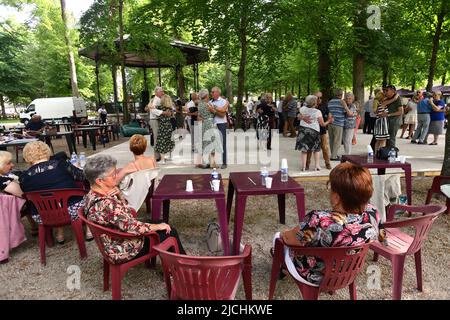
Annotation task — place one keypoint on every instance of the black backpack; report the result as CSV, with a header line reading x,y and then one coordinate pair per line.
x,y
383,153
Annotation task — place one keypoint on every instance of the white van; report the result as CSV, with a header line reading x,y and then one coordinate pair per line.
x,y
55,109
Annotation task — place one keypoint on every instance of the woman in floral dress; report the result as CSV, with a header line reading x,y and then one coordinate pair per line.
x,y
105,205
350,221
164,142
210,142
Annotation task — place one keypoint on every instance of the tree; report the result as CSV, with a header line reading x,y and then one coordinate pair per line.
x,y
73,69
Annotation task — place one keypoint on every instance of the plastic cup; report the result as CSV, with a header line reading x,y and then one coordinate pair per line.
x,y
268,182
216,185
189,186
402,159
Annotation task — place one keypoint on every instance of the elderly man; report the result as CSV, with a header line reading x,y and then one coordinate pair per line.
x,y
336,107
220,119
394,114
154,112
35,126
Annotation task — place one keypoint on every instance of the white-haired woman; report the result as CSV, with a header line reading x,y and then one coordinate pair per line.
x,y
349,122
106,206
308,138
209,142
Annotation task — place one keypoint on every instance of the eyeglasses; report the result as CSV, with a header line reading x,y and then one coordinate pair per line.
x,y
113,174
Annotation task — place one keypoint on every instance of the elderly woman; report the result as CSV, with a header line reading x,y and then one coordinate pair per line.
x,y
106,206
210,141
350,221
164,141
308,139
349,122
46,174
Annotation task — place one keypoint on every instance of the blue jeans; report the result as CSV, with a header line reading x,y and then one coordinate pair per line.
x,y
223,130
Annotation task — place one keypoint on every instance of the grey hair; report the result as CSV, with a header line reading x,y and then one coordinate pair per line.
x,y
96,167
310,100
203,93
216,89
437,93
349,95
157,89
338,92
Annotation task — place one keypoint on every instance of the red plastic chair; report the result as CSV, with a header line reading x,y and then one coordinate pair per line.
x,y
436,188
204,278
349,259
401,244
118,270
52,206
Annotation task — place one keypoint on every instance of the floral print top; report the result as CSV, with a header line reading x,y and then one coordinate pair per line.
x,y
113,212
326,228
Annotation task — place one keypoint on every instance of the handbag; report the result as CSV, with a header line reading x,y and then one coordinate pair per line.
x,y
213,239
383,153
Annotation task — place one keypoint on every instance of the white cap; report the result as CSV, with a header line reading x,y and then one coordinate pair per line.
x,y
369,148
284,163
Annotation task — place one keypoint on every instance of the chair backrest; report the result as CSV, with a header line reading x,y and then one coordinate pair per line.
x,y
52,205
421,224
438,181
98,231
203,278
342,264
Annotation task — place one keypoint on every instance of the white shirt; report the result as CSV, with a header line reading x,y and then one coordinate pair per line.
x,y
154,113
250,106
280,106
314,114
102,111
219,103
190,104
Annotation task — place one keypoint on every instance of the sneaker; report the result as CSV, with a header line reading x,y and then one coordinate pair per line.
x,y
421,142
328,166
413,141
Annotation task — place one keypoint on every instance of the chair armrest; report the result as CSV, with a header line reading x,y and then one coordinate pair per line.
x,y
167,244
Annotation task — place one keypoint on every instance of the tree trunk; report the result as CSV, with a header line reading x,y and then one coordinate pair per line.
x,y
241,72
228,83
324,68
126,115
385,75
2,103
358,77
436,38
73,69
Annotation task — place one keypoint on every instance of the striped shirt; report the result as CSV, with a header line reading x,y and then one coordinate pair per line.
x,y
338,112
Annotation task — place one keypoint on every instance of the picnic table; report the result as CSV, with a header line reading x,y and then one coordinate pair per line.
x,y
246,184
381,166
173,186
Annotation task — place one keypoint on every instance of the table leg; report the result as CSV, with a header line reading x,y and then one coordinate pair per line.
x,y
156,209
84,138
70,139
238,222
229,199
166,208
408,182
282,207
221,210
300,197
92,137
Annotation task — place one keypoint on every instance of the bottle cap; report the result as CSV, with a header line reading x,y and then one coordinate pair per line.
x,y
284,163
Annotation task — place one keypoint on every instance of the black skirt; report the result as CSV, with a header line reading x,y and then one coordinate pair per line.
x,y
308,140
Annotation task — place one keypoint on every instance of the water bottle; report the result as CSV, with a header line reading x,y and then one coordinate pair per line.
x,y
74,159
264,174
284,170
392,156
11,136
214,174
82,159
369,154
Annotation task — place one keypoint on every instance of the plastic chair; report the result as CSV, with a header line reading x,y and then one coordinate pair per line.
x,y
436,188
349,259
52,206
204,278
401,244
118,270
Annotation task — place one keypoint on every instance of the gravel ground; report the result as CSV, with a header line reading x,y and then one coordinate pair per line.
x,y
24,277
